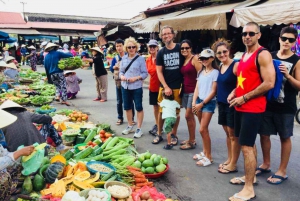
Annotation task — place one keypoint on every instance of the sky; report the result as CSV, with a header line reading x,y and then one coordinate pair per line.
x,y
124,9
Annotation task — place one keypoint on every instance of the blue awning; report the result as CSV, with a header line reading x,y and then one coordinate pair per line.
x,y
88,39
9,40
41,37
3,34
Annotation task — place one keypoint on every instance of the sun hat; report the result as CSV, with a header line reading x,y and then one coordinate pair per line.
x,y
207,53
4,48
3,64
11,65
23,45
96,49
6,118
9,58
153,42
9,104
44,43
68,71
49,45
31,47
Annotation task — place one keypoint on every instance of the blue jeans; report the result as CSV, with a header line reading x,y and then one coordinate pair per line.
x,y
120,104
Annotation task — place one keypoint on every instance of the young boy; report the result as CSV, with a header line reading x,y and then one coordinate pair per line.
x,y
169,105
72,84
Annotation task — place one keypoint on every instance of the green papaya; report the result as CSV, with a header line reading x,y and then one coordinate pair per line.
x,y
27,186
38,183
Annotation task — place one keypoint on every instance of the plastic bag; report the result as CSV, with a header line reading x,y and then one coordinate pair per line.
x,y
155,195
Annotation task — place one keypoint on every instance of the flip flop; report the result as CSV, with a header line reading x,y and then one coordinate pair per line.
x,y
96,99
242,198
222,165
262,171
174,140
228,171
65,103
157,139
119,122
241,181
282,179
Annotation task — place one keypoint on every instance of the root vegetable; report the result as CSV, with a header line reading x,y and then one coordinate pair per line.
x,y
145,195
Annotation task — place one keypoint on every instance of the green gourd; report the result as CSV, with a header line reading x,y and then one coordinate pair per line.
x,y
27,186
54,171
38,183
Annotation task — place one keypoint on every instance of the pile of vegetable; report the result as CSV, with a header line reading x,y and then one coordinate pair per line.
x,y
78,116
40,100
73,62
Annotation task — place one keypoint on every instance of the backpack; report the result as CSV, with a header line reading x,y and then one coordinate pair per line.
x,y
275,94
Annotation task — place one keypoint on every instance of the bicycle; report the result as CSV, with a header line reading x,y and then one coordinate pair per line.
x,y
297,116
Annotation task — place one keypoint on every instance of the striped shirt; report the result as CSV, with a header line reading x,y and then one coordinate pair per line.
x,y
137,68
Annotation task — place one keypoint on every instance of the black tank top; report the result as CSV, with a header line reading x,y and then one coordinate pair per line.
x,y
290,93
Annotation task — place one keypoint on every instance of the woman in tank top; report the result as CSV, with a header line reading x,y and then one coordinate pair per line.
x,y
189,71
226,83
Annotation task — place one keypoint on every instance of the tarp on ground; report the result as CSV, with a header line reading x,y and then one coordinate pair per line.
x,y
268,13
151,24
205,18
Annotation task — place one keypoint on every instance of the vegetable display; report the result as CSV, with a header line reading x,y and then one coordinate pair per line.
x,y
74,62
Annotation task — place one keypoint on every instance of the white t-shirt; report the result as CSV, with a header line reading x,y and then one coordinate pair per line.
x,y
205,83
169,108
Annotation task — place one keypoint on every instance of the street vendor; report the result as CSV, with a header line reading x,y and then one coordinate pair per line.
x,y
11,71
22,131
11,59
57,75
33,57
9,169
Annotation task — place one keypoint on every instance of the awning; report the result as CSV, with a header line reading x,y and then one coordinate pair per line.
x,y
9,40
122,29
21,31
151,24
59,33
41,37
268,13
212,17
89,39
85,34
3,34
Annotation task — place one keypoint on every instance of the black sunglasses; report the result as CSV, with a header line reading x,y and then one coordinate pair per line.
x,y
131,47
224,52
291,40
152,46
204,58
185,48
251,34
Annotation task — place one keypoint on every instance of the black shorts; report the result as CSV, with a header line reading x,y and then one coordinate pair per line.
x,y
274,123
246,126
226,115
153,98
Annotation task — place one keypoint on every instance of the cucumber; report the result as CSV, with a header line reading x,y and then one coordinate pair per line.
x,y
91,136
113,178
98,141
113,142
84,153
115,149
107,176
96,158
126,161
103,146
80,139
97,151
129,162
69,154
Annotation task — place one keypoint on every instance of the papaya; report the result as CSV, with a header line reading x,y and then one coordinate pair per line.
x,y
58,158
38,182
82,176
82,185
93,178
68,180
27,186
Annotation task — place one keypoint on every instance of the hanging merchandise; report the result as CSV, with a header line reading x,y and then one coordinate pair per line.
x,y
296,48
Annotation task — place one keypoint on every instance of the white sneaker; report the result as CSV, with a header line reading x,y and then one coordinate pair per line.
x,y
138,133
128,130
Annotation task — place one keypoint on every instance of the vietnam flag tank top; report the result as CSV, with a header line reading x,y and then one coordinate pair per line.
x,y
248,78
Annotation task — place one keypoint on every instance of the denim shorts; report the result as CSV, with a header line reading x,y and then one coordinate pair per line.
x,y
208,107
135,95
187,100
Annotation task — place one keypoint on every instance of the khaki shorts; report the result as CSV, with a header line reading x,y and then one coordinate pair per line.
x,y
176,97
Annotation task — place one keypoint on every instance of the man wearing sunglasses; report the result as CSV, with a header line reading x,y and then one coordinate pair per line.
x,y
250,104
279,116
170,77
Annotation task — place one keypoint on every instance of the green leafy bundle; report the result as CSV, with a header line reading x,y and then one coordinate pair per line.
x,y
74,62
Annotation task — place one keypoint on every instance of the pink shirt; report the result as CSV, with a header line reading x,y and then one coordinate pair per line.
x,y
73,52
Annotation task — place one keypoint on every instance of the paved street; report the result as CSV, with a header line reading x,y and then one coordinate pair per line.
x,y
185,181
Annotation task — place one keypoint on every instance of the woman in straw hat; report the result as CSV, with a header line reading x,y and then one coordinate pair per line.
x,y
100,74
9,171
22,131
33,57
56,74
11,71
5,53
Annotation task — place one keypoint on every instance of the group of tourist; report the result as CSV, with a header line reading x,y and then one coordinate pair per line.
x,y
197,84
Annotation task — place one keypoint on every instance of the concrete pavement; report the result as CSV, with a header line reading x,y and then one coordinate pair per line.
x,y
185,181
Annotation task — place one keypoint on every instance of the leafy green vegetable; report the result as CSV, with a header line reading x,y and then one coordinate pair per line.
x,y
70,62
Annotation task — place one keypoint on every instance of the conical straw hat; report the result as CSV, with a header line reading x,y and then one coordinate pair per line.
x,y
6,118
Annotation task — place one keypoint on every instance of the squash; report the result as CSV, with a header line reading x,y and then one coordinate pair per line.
x,y
93,178
54,171
46,191
81,166
82,176
57,189
58,158
68,180
66,170
73,188
82,185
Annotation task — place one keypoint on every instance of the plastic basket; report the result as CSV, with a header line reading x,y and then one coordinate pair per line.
x,y
93,171
111,183
85,193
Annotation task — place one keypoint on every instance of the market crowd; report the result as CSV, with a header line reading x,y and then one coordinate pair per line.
x,y
249,97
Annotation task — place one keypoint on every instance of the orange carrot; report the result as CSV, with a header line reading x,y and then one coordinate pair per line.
x,y
138,174
140,180
133,168
142,184
150,184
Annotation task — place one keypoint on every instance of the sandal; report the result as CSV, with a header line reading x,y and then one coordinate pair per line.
x,y
57,99
186,141
198,156
240,181
174,139
236,196
96,99
187,146
222,165
157,139
65,103
119,122
226,171
133,123
168,146
103,100
204,162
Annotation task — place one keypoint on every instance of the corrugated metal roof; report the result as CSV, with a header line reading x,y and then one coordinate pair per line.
x,y
11,18
68,26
